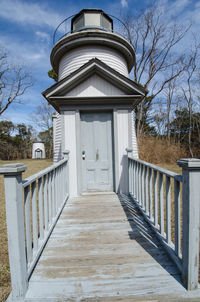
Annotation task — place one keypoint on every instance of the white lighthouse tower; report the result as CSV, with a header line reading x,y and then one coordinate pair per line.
x,y
95,100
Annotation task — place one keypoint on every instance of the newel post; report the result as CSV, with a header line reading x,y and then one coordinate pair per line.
x,y
15,228
191,208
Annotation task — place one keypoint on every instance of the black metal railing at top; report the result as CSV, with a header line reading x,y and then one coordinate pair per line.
x,y
64,28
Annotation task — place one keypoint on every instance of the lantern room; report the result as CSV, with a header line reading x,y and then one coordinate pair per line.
x,y
90,19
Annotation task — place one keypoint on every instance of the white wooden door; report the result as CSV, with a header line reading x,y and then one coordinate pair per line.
x,y
97,151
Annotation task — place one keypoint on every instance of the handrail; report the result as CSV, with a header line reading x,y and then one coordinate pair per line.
x,y
27,181
159,169
71,31
170,204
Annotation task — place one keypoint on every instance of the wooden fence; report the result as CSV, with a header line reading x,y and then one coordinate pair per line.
x,y
170,204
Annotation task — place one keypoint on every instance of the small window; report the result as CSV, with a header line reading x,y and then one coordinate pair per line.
x,y
79,23
92,19
106,23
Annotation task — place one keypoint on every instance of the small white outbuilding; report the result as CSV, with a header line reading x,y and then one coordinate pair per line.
x,y
38,150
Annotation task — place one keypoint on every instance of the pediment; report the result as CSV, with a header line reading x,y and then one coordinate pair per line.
x,y
93,79
94,85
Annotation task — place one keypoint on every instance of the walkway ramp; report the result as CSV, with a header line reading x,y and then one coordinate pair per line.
x,y
102,250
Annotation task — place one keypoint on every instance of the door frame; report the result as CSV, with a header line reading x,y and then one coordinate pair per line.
x,y
78,144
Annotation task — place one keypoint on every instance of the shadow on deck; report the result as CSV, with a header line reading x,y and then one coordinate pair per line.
x,y
145,238
102,250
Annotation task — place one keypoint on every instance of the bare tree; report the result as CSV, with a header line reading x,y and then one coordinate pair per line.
x,y
155,42
170,96
42,117
14,81
189,91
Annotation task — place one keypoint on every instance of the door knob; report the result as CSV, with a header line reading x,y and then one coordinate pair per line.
x,y
97,155
83,155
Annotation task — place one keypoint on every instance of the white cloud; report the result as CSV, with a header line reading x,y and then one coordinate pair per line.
x,y
44,36
29,13
174,8
124,3
21,52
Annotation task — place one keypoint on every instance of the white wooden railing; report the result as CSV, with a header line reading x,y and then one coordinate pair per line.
x,y
170,204
32,208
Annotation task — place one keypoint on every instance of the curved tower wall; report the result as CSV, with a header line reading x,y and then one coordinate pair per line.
x,y
77,57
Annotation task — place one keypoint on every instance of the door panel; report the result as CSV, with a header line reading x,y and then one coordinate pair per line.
x,y
96,145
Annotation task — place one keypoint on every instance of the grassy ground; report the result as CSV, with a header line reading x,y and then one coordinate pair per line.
x,y
33,166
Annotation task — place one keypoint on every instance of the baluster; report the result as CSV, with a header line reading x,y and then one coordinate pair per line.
x,y
142,186
168,209
65,179
57,186
45,203
28,224
49,198
129,176
66,172
132,175
135,180
161,204
139,184
53,193
61,186
57,190
56,183
41,211
145,190
63,183
177,217
34,216
155,185
149,199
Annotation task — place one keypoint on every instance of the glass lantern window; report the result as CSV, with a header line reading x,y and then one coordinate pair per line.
x,y
106,23
92,20
78,23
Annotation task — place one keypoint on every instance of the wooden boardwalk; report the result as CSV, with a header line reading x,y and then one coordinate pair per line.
x,y
102,250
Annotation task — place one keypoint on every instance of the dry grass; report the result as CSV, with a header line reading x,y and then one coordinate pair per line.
x,y
33,166
159,151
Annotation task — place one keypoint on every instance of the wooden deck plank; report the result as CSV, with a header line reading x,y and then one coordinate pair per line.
x,y
102,250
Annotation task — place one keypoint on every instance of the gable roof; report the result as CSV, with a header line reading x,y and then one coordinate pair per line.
x,y
58,91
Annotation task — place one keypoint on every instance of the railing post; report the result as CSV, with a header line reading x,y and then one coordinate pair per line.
x,y
66,156
191,201
130,180
15,228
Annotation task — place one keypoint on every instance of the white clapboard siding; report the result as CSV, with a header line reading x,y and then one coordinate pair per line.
x,y
74,59
57,138
134,138
95,86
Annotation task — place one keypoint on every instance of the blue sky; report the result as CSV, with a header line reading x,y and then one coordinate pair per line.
x,y
27,27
